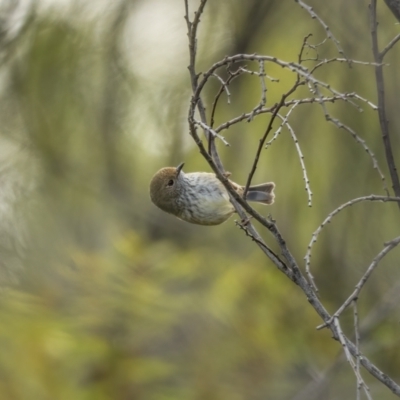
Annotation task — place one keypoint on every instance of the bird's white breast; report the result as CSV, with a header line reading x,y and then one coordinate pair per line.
x,y
209,200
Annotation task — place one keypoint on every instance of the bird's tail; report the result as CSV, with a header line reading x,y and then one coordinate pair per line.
x,y
263,193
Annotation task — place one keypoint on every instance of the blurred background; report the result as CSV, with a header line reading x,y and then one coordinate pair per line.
x,y
103,296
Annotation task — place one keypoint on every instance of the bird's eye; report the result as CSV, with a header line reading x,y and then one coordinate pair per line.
x,y
170,182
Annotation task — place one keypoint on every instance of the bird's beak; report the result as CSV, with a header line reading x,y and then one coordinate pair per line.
x,y
179,169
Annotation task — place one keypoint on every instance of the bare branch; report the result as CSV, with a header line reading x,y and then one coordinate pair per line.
x,y
196,100
224,87
288,103
304,45
357,344
299,152
342,60
258,73
212,132
329,34
328,219
388,246
263,101
358,139
348,353
389,46
280,264
267,131
291,66
380,85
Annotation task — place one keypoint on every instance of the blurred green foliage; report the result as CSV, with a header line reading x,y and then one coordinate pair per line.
x,y
123,323
106,297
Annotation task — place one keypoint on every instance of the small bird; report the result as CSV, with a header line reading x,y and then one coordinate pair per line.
x,y
200,197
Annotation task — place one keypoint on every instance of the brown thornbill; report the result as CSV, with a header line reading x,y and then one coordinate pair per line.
x,y
200,197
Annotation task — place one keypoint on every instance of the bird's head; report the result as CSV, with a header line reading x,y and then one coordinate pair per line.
x,y
165,188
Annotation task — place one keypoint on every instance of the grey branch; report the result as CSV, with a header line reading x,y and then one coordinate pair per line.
x,y
348,353
380,86
314,15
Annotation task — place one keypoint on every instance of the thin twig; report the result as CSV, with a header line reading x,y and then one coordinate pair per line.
x,y
260,242
380,85
302,48
328,219
357,138
212,132
362,142
291,66
224,88
196,101
261,74
299,152
331,99
344,343
314,88
266,133
314,15
389,46
288,103
357,344
388,247
342,60
257,73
